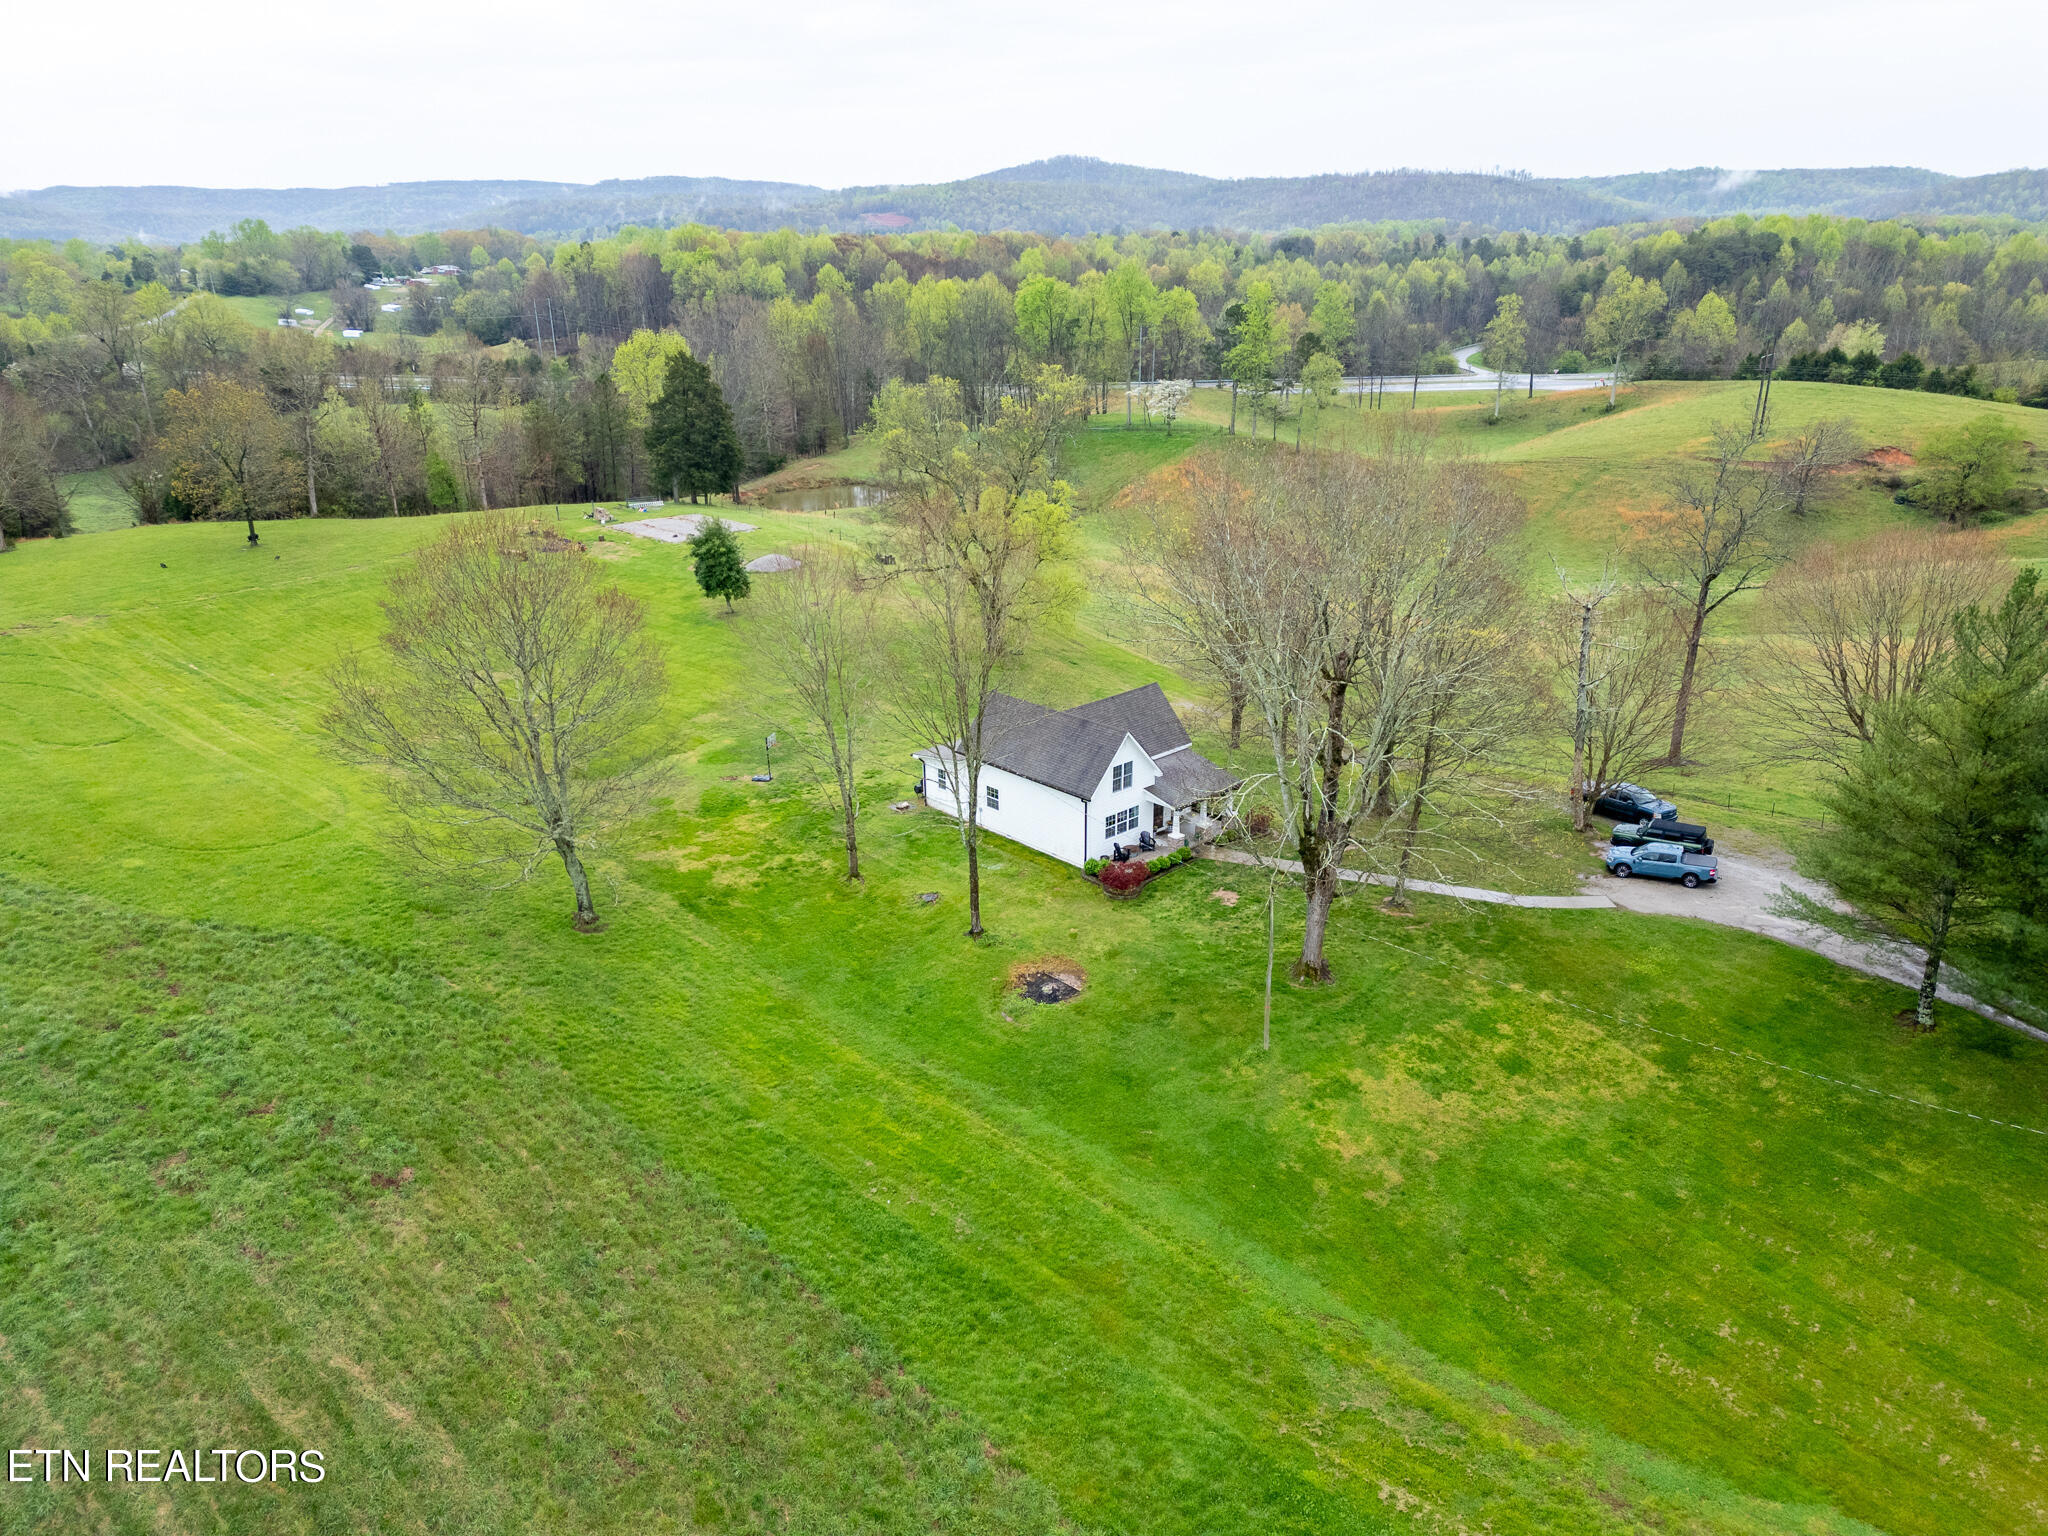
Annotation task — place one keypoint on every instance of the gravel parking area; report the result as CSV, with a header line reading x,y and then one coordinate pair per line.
x,y
1742,898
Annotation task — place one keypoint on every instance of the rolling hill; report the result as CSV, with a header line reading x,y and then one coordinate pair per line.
x,y
1065,195
770,1207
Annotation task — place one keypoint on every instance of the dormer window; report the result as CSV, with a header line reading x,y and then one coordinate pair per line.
x,y
1120,776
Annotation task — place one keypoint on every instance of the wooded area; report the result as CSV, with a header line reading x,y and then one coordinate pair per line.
x,y
489,368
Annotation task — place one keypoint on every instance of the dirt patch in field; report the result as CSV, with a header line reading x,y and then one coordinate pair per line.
x,y
1887,458
1048,979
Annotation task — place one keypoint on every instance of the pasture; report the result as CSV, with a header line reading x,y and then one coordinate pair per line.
x,y
771,1207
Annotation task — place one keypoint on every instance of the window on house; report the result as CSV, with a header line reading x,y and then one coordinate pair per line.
x,y
1117,823
1120,777
995,798
942,778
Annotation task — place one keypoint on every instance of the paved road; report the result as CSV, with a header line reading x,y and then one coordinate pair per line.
x,y
1468,377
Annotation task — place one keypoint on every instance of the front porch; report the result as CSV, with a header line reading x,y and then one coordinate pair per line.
x,y
1169,827
1162,842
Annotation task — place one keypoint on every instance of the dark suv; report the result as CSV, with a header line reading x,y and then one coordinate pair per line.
x,y
1692,838
1631,802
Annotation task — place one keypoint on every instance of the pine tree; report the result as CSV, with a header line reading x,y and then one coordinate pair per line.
x,y
1942,812
716,555
689,435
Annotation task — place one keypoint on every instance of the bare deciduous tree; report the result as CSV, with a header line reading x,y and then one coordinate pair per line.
x,y
297,370
817,628
1197,564
1717,541
1583,608
1477,693
1349,601
512,704
982,531
384,417
1849,630
1824,447
467,388
1625,653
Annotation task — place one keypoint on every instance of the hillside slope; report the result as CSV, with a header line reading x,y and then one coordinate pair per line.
x,y
1470,1248
1065,195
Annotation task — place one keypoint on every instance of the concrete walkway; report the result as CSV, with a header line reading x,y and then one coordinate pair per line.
x,y
1429,887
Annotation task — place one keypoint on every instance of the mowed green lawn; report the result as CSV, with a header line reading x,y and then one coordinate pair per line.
x,y
263,309
97,501
1532,1222
1592,480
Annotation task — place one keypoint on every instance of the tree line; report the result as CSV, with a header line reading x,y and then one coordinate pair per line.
x,y
802,332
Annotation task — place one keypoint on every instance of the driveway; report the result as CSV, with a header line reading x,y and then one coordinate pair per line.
x,y
1742,898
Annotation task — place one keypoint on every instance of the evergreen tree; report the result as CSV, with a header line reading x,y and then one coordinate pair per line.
x,y
716,555
690,437
1936,830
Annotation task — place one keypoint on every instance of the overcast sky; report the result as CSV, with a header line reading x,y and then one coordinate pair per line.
x,y
321,93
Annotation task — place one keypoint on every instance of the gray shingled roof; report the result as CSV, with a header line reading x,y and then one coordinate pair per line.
x,y
1071,749
1188,776
1053,747
1144,712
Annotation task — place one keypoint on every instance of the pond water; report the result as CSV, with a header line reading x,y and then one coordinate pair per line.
x,y
823,499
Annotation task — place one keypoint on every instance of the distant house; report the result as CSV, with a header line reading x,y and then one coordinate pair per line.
x,y
1073,782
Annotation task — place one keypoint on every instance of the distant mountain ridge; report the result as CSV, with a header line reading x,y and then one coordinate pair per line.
x,y
1067,195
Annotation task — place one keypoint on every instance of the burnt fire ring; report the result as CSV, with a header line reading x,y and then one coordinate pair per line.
x,y
1045,987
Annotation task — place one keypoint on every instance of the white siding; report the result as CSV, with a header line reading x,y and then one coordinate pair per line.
x,y
1032,814
1050,820
1106,801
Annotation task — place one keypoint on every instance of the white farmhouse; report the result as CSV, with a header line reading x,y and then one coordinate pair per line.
x,y
1073,782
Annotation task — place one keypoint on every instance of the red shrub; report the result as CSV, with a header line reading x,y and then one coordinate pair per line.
x,y
1122,879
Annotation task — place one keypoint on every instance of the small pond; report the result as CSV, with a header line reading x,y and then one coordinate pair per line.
x,y
822,499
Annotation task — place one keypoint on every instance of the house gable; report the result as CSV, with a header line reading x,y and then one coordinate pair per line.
x,y
1057,774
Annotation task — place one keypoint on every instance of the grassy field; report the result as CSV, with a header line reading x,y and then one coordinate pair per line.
x,y
97,501
262,309
1589,478
263,1189
1533,1222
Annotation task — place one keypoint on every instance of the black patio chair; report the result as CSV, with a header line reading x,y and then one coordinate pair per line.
x,y
1146,841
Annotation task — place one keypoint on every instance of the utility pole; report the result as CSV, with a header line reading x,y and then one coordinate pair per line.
x,y
1763,393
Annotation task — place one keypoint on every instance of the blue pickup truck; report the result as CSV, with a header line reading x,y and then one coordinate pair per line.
x,y
1665,861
